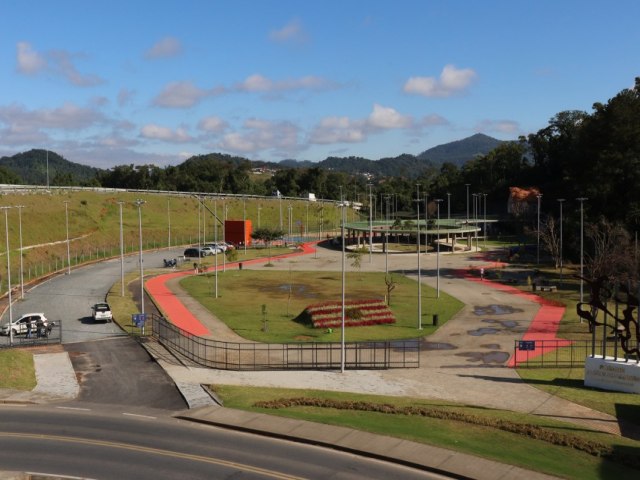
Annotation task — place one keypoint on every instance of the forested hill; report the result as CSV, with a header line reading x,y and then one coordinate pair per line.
x,y
31,168
461,151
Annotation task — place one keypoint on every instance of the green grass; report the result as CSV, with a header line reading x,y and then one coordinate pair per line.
x,y
285,294
17,371
482,440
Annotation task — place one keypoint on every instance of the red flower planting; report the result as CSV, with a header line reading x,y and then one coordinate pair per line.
x,y
357,313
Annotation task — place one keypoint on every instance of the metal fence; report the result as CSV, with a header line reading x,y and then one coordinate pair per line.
x,y
564,353
285,356
21,340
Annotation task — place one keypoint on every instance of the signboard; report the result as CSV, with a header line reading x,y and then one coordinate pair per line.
x,y
610,374
526,345
138,319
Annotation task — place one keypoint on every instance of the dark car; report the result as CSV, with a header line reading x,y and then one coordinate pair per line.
x,y
193,253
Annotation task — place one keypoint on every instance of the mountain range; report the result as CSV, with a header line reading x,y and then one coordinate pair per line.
x,y
32,167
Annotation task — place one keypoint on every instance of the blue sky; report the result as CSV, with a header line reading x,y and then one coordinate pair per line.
x,y
121,82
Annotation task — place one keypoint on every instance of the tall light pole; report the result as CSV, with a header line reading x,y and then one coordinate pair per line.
x,y
343,314
47,169
370,224
484,196
448,206
6,230
259,210
539,197
561,201
244,224
467,185
215,239
169,221
438,200
120,203
280,198
418,243
66,217
581,200
139,204
20,207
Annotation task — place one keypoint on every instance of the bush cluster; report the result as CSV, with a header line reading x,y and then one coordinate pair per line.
x,y
536,432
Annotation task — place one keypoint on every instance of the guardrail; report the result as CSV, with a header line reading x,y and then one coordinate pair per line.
x,y
285,356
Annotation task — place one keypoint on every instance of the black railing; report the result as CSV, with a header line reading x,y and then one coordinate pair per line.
x,y
564,353
286,356
53,337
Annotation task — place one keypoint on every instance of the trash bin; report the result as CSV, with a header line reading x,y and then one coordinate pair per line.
x,y
435,319
240,266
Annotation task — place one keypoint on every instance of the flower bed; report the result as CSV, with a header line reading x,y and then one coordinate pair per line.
x,y
358,313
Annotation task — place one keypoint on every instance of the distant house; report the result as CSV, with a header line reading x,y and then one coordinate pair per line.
x,y
522,201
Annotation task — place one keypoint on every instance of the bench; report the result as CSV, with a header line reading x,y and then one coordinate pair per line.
x,y
548,288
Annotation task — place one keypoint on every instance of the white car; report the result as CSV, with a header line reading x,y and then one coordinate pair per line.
x,y
210,250
101,312
20,325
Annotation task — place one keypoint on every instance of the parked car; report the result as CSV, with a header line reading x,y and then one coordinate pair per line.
x,y
210,250
101,312
193,252
221,246
19,326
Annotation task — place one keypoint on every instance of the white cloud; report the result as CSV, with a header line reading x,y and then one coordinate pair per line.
x,y
433,120
157,132
164,48
68,116
292,32
28,60
337,130
387,118
508,127
182,95
259,135
212,125
57,62
260,83
452,81
125,96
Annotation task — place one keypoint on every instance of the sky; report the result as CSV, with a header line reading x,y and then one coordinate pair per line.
x,y
107,83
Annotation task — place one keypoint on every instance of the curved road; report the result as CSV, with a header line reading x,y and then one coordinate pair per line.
x,y
107,443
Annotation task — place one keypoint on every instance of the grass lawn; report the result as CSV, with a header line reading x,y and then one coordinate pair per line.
x,y
16,370
285,294
468,429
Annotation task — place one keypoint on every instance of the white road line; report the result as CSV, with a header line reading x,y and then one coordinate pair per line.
x,y
75,408
139,416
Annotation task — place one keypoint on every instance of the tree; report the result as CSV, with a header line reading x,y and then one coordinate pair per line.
x,y
550,238
612,251
267,235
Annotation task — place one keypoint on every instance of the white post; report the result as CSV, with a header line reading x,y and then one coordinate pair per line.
x,y
539,197
139,203
418,244
6,229
66,216
121,253
342,334
20,207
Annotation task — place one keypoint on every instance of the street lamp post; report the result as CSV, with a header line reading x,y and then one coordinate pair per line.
x,y
539,197
244,224
259,210
139,204
169,221
581,200
121,253
370,225
343,311
418,243
448,206
484,196
561,201
438,250
6,229
467,185
20,207
66,217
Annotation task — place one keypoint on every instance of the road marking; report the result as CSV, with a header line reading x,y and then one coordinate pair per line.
x,y
154,451
75,408
139,416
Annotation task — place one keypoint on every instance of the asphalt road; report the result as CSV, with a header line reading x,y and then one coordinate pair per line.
x,y
67,299
112,443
